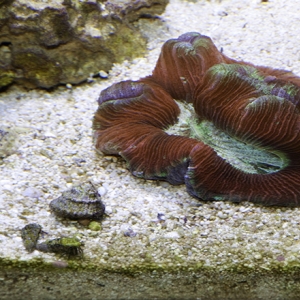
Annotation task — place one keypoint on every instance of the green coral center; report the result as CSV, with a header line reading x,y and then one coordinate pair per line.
x,y
246,157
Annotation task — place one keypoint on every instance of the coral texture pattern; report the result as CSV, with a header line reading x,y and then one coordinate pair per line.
x,y
255,106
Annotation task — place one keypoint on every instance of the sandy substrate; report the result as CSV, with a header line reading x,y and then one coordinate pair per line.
x,y
168,228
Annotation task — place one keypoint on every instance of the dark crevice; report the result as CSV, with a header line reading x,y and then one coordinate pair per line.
x,y
5,44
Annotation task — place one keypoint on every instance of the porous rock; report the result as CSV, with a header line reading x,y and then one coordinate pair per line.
x,y
9,141
46,43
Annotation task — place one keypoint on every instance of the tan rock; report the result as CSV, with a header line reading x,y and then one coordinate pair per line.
x,y
43,44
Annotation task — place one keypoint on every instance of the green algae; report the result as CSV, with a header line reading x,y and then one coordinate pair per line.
x,y
126,44
37,68
6,77
152,285
147,265
95,226
30,235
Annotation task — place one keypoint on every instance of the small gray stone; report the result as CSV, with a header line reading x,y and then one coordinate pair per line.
x,y
9,141
32,193
78,203
172,235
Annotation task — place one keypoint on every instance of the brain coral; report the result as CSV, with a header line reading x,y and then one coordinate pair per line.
x,y
237,125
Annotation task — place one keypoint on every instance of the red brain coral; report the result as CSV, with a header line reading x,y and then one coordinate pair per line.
x,y
250,108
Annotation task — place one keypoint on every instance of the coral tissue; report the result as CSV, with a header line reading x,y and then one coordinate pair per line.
x,y
251,108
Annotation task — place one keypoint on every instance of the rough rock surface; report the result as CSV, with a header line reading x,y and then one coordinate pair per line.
x,y
8,141
44,43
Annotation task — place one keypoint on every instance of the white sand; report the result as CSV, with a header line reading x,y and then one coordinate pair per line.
x,y
54,131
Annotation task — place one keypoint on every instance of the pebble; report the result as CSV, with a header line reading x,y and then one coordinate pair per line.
x,y
258,256
32,193
95,226
108,210
222,215
59,264
46,153
9,141
103,74
49,134
130,233
7,187
102,190
172,235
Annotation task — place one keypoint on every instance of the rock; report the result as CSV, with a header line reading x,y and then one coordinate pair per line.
x,y
103,74
9,141
102,190
172,235
30,235
79,203
46,43
32,193
95,226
